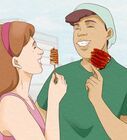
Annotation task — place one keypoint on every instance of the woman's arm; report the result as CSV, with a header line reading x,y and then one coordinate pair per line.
x,y
115,128
52,131
55,94
18,121
51,118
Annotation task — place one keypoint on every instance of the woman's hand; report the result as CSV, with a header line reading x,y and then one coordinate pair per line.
x,y
94,86
57,91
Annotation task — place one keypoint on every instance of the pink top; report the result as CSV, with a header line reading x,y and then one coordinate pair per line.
x,y
35,113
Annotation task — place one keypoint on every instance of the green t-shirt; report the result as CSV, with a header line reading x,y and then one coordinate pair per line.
x,y
78,119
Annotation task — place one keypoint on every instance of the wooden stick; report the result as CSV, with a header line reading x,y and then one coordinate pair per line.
x,y
56,79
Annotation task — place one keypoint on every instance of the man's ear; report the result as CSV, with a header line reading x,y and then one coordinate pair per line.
x,y
15,62
109,33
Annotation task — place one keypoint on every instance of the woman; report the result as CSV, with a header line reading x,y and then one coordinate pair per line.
x,y
19,60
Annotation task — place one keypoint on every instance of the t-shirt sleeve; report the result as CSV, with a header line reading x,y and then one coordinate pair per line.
x,y
43,95
123,110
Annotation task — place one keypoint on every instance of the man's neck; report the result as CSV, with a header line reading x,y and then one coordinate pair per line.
x,y
86,64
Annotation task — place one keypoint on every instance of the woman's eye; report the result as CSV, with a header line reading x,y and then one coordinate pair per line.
x,y
35,45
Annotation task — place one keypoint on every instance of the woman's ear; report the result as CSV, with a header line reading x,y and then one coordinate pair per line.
x,y
15,62
109,33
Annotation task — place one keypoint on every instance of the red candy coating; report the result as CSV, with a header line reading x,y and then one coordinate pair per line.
x,y
100,58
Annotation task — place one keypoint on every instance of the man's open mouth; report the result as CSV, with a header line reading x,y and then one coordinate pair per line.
x,y
83,43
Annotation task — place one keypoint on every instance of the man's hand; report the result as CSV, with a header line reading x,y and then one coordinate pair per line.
x,y
94,86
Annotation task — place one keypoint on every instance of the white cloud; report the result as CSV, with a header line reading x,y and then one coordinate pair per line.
x,y
47,24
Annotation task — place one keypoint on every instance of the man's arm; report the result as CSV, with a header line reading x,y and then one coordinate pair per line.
x,y
115,128
123,118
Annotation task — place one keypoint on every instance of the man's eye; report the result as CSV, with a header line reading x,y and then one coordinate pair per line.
x,y
90,26
76,28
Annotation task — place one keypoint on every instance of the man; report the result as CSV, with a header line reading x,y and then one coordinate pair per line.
x,y
79,116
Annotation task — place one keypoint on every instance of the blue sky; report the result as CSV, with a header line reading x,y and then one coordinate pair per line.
x,y
48,16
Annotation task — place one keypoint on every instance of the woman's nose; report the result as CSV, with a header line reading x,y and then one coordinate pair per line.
x,y
40,51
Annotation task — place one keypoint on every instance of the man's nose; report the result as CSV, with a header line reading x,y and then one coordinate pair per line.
x,y
82,32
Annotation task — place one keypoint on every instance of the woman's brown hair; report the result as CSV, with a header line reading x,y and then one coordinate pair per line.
x,y
19,35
